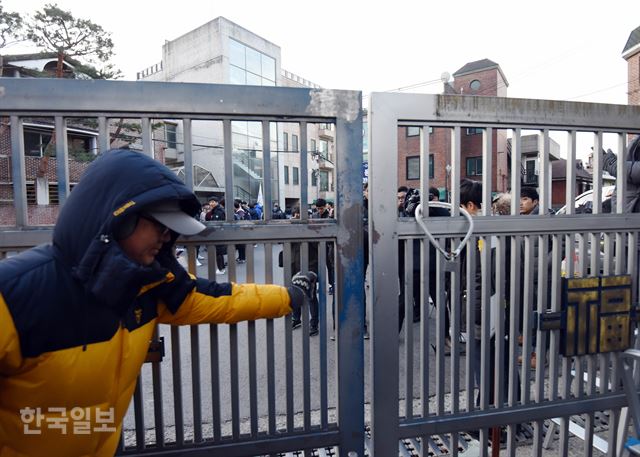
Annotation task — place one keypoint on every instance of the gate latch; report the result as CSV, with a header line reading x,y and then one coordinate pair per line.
x,y
156,351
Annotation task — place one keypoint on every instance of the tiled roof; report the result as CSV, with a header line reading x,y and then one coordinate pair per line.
x,y
634,39
471,67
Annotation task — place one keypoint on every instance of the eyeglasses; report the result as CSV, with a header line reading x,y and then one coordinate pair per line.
x,y
159,226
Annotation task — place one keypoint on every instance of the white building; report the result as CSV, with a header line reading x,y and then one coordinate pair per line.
x,y
225,53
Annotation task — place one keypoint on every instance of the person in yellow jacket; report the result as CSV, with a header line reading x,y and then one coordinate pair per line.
x,y
77,315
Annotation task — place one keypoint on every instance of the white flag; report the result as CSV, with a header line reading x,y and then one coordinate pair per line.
x,y
260,199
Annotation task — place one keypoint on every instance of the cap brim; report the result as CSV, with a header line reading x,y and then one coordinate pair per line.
x,y
177,220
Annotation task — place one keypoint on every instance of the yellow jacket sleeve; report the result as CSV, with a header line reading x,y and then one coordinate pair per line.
x,y
246,302
10,355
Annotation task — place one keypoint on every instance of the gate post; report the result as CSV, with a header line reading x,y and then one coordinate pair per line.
x,y
383,157
350,279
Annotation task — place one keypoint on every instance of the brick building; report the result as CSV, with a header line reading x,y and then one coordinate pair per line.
x,y
631,53
40,158
479,78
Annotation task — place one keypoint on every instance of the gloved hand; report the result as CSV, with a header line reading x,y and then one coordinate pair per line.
x,y
303,284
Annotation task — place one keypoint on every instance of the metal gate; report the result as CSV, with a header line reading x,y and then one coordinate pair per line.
x,y
254,388
420,391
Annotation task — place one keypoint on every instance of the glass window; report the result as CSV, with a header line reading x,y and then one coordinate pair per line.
x,y
324,149
296,176
254,61
431,167
413,167
474,131
413,131
475,85
35,143
314,178
324,181
236,53
248,66
240,127
313,145
268,68
254,129
285,141
253,80
294,142
474,166
286,174
240,141
171,135
237,76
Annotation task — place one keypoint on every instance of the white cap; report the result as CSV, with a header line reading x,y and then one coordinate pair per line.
x,y
170,214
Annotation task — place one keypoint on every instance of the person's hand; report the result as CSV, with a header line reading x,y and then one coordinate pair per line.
x,y
303,285
306,282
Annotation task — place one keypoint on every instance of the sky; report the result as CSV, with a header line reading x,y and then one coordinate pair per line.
x,y
568,50
560,49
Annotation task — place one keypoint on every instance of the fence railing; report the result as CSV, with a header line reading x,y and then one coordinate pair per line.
x,y
249,388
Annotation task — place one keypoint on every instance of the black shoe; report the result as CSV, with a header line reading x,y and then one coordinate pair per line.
x,y
330,290
416,318
295,324
313,331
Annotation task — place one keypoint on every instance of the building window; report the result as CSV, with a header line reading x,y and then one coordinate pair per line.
x,y
324,181
474,131
530,172
314,178
170,131
413,131
285,141
248,66
35,143
324,149
474,166
286,174
54,198
413,167
313,145
294,142
296,176
475,85
32,198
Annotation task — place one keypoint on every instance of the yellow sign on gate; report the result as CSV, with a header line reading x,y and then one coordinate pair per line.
x,y
596,315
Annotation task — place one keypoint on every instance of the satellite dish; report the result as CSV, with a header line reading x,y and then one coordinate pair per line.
x,y
445,77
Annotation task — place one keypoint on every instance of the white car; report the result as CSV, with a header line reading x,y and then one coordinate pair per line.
x,y
585,199
584,204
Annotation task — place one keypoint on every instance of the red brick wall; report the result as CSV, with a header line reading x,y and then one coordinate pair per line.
x,y
633,66
440,145
491,83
